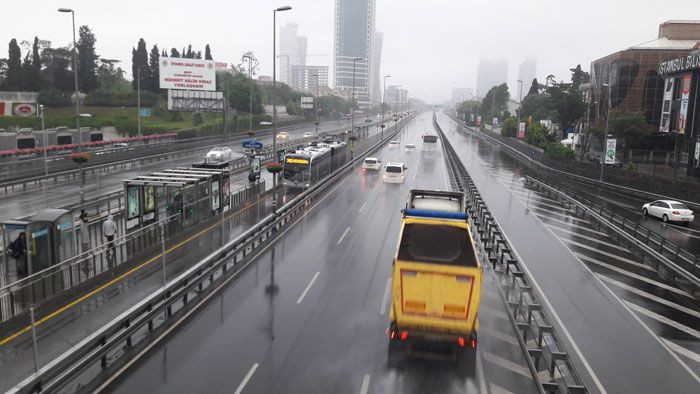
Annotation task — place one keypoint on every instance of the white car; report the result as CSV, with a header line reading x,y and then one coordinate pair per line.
x,y
308,134
394,173
371,164
220,153
668,211
282,136
120,146
394,144
410,147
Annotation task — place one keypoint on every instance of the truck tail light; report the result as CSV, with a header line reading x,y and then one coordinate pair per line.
x,y
461,342
404,335
473,343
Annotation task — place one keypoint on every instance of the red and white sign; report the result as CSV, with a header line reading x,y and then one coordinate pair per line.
x,y
24,109
221,66
521,130
187,74
2,108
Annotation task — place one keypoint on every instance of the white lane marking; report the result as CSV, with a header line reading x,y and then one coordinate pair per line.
x,y
664,319
301,297
245,380
649,296
634,276
611,255
507,364
531,195
496,389
681,350
590,230
385,299
480,373
362,207
494,312
548,214
596,240
499,335
365,384
343,236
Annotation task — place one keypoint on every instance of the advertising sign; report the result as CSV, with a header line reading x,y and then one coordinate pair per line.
x,y
2,108
226,191
145,112
221,66
187,74
215,195
696,157
521,130
478,120
132,202
256,166
494,122
24,109
252,143
307,102
149,199
610,147
685,96
471,118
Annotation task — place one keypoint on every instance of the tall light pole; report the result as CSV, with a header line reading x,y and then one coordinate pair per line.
x,y
249,56
520,99
396,102
383,103
604,147
477,106
352,102
43,129
316,101
272,97
75,77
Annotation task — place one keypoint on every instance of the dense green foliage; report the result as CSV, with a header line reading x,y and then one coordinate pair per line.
x,y
558,151
509,127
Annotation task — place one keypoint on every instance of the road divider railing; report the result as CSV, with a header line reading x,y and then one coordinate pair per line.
x,y
549,364
673,263
519,151
109,348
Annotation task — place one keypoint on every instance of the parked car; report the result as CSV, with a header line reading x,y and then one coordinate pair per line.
x,y
597,159
220,153
669,211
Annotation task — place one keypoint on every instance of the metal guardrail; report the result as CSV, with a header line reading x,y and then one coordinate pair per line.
x,y
509,145
653,249
549,364
109,347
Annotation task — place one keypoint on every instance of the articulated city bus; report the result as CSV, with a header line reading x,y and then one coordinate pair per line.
x,y
304,167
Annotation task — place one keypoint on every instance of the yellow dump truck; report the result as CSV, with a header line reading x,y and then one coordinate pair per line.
x,y
436,280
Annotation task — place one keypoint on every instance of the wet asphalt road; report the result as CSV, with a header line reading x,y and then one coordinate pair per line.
x,y
310,315
637,332
23,203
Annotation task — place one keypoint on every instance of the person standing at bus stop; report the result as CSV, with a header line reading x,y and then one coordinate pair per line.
x,y
18,251
84,233
109,230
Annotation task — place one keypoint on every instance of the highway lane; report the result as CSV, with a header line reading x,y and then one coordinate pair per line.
x,y
23,203
310,315
623,317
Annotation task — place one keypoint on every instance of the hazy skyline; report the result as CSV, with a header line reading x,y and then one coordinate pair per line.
x,y
428,48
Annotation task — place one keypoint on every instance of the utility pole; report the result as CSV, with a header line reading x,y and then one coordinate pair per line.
x,y
352,102
604,147
381,125
75,77
274,107
316,101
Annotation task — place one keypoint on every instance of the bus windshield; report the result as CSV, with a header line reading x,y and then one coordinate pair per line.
x,y
296,169
430,138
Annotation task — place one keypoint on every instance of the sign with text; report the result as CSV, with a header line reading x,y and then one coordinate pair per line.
x,y
683,63
187,74
478,120
685,97
610,148
307,102
145,112
521,130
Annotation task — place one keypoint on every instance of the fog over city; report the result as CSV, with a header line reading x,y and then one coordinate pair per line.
x,y
429,47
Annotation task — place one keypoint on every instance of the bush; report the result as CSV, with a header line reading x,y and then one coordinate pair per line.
x,y
509,127
197,118
54,98
104,98
539,136
558,151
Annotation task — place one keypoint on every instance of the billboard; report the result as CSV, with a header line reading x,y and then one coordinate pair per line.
x,y
307,102
685,97
24,109
521,130
187,74
610,148
133,209
202,101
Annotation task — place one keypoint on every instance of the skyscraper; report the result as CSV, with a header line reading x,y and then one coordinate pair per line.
x,y
490,74
527,71
292,53
375,78
354,35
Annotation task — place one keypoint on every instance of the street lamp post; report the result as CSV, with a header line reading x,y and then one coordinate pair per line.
x,y
520,99
352,102
396,102
603,148
75,77
249,56
316,101
138,94
274,107
43,129
383,103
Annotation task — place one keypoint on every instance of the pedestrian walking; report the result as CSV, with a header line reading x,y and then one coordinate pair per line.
x,y
18,251
109,230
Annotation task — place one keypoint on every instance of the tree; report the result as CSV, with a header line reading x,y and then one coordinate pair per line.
x,y
153,82
495,102
198,55
111,79
139,58
3,71
61,76
568,105
164,53
509,127
13,78
239,86
534,88
174,52
190,54
550,80
468,111
26,73
207,53
87,60
538,135
34,75
627,127
578,76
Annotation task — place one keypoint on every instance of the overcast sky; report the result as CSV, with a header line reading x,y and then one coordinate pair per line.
x,y
430,46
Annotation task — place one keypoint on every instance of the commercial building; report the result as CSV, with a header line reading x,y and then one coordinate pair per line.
x,y
307,78
394,94
527,71
490,74
680,113
292,53
375,80
353,37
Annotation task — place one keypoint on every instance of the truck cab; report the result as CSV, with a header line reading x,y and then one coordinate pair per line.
x,y
437,276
